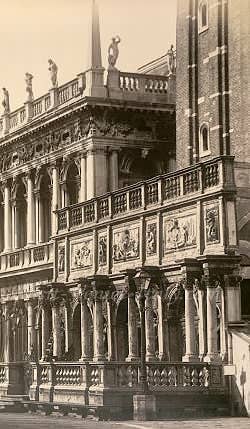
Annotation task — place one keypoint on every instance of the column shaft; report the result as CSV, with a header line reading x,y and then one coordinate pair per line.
x,y
132,329
98,331
161,330
83,180
202,325
30,213
212,348
113,171
190,354
56,326
55,199
7,220
7,334
90,166
150,330
110,331
31,329
84,330
45,331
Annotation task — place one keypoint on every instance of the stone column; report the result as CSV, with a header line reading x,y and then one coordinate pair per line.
x,y
149,329
39,218
90,174
162,331
232,298
83,179
132,329
45,329
113,171
84,328
7,332
30,212
55,198
190,355
212,348
7,219
56,328
110,330
202,321
98,328
31,328
15,225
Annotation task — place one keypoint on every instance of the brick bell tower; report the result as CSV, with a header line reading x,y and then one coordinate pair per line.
x,y
213,103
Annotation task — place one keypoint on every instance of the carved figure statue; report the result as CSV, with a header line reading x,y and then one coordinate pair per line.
x,y
113,51
171,60
6,101
29,89
53,73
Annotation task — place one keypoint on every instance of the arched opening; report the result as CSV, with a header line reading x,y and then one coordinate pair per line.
x,y
76,351
136,169
45,208
72,185
204,139
1,222
20,216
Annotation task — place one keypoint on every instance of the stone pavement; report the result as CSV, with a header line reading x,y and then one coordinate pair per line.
x,y
34,421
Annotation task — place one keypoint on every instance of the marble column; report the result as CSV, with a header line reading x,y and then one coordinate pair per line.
x,y
110,330
45,329
90,174
56,328
7,219
162,331
149,329
113,171
212,347
132,329
83,180
55,198
190,355
84,329
31,347
15,224
202,322
7,333
39,218
98,330
30,212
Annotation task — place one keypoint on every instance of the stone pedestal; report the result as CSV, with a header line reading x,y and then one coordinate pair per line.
x,y
144,407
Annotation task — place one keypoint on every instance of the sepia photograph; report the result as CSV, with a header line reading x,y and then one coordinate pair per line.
x,y
125,214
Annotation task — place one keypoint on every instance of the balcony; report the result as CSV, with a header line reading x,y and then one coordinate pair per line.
x,y
26,258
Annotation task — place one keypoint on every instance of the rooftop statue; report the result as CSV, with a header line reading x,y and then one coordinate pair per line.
x,y
113,51
53,73
171,60
6,101
28,80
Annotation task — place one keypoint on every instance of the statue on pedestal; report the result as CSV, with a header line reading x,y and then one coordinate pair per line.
x,y
53,73
6,101
113,52
28,80
171,60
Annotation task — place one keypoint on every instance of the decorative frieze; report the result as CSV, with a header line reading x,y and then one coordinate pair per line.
x,y
180,232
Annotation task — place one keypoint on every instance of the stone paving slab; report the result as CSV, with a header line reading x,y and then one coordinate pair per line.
x,y
29,421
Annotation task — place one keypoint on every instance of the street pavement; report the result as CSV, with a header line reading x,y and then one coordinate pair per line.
x,y
34,421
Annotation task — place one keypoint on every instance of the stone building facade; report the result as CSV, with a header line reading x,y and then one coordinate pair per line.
x,y
107,251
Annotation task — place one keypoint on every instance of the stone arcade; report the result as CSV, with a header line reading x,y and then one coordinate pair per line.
x,y
94,215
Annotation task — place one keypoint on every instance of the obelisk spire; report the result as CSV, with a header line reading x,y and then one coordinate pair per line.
x,y
94,53
94,74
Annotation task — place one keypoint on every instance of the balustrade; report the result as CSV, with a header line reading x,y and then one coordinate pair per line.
x,y
143,83
27,257
160,190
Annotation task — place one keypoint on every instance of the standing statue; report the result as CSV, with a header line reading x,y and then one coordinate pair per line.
x,y
28,80
171,60
6,101
53,73
113,51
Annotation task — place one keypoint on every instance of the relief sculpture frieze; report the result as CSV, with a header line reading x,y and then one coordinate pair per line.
x,y
126,244
212,224
180,233
82,254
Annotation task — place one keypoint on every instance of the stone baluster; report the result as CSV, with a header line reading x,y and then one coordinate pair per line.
x,y
83,179
30,212
212,347
190,355
149,328
84,326
55,198
98,328
31,347
113,171
7,219
132,328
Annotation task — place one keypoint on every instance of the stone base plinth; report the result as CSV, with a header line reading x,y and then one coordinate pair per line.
x,y
214,358
76,395
190,358
144,407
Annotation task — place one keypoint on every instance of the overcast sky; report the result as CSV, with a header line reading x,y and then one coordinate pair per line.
x,y
31,31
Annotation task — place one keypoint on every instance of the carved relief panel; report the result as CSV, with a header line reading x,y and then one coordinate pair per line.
x,y
151,239
126,244
180,232
212,225
82,254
